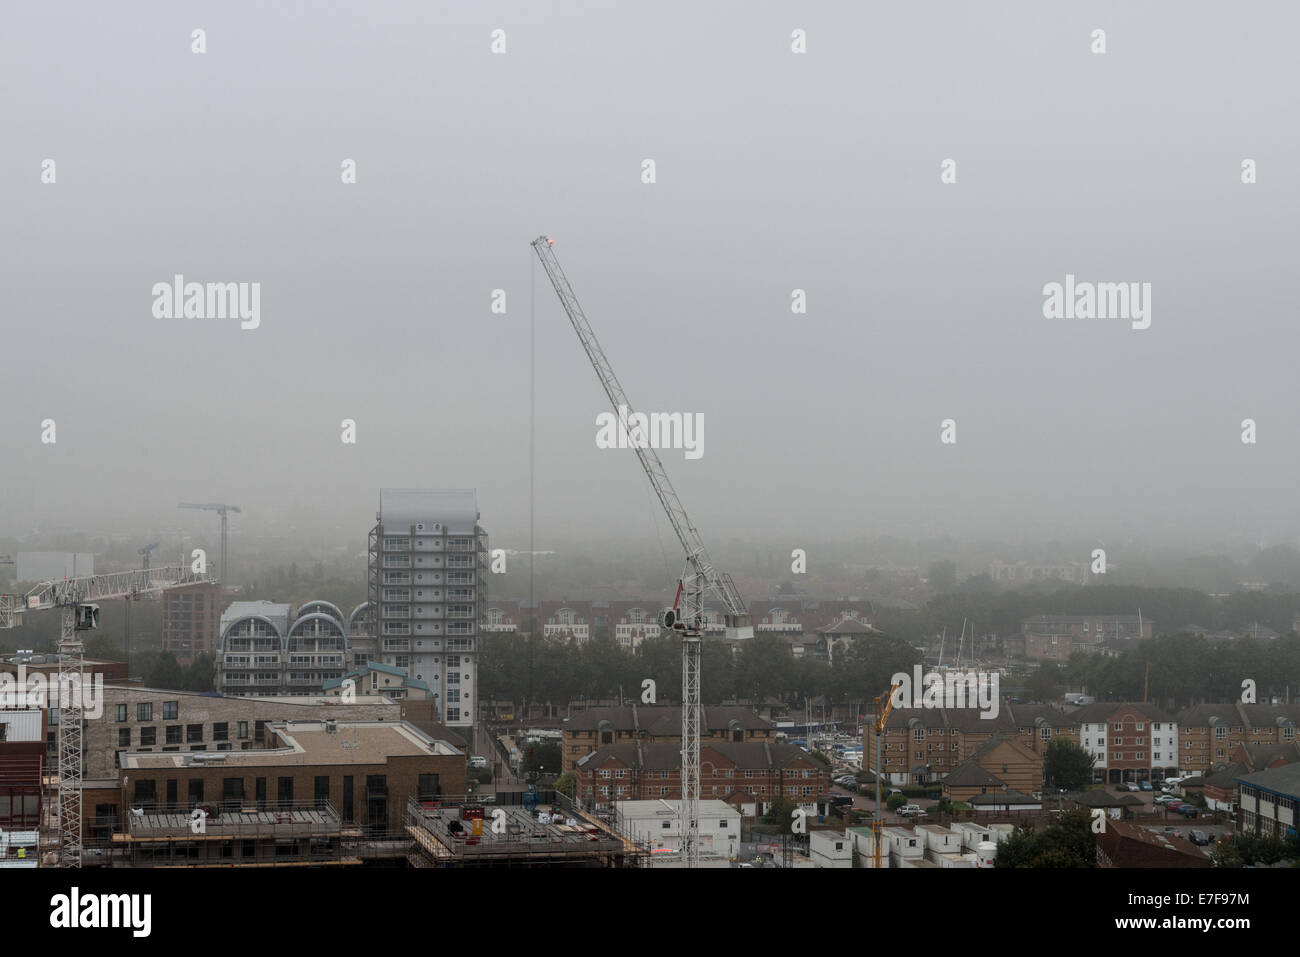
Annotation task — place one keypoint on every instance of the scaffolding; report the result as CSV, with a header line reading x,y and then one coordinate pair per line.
x,y
269,834
458,832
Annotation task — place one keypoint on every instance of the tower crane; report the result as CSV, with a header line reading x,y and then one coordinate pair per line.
x,y
145,552
77,598
699,576
223,510
882,711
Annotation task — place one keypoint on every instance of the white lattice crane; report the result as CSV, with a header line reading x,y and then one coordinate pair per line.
x,y
699,576
77,597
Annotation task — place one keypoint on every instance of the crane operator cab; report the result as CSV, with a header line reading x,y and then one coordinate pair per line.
x,y
87,617
671,619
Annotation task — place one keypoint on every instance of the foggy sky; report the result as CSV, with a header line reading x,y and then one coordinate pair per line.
x,y
775,171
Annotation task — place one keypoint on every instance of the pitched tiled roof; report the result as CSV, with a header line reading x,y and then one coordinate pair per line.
x,y
664,720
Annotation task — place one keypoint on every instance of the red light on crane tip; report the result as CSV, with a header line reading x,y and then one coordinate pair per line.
x,y
550,241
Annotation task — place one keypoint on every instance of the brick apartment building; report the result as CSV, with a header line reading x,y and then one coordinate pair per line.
x,y
321,778
22,761
191,616
1209,734
594,728
926,744
1220,788
1004,763
1129,741
145,720
1056,637
760,770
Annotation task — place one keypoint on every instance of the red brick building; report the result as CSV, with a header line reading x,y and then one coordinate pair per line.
x,y
639,771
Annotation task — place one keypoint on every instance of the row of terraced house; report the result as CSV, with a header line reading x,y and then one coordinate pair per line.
x,y
1129,741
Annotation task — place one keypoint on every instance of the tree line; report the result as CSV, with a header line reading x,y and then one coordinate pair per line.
x,y
556,670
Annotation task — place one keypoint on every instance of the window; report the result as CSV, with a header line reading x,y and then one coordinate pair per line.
x,y
284,791
429,787
145,794
171,710
144,711
221,731
321,789
193,733
120,712
665,825
243,730
347,799
123,737
148,737
196,791
173,734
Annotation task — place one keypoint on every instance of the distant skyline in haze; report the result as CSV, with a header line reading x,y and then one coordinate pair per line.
x,y
774,172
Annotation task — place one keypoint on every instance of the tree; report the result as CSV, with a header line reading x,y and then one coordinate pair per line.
x,y
1225,854
1044,684
165,672
1066,765
543,757
102,646
943,575
567,783
895,801
1067,843
780,812
200,675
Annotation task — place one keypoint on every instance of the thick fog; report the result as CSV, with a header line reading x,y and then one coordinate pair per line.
x,y
774,171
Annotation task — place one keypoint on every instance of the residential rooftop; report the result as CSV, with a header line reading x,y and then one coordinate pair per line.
x,y
307,743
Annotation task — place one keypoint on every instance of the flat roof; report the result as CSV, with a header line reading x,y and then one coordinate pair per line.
x,y
301,700
664,808
455,508
306,743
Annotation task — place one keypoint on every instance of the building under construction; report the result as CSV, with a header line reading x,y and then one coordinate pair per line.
x,y
545,830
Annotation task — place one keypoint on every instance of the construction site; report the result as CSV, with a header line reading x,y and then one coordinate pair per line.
x,y
153,830
545,830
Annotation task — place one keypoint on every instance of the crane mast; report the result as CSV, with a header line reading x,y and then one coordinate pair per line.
x,y
699,576
77,597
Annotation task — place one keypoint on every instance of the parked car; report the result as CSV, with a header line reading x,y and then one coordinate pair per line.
x,y
1199,838
910,810
1145,785
1130,786
1189,810
477,761
1166,799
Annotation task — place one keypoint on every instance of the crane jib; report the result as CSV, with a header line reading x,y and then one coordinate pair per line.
x,y
697,556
